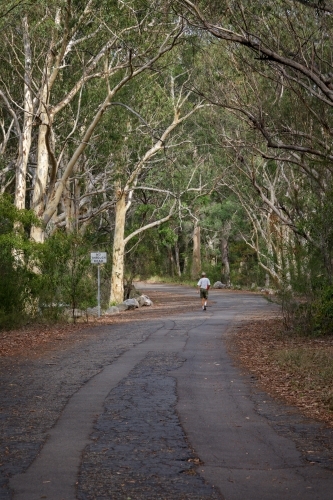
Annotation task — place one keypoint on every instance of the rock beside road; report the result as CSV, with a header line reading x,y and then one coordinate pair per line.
x,y
129,304
144,300
219,285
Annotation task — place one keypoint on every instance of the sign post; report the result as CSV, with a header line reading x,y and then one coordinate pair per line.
x,y
98,258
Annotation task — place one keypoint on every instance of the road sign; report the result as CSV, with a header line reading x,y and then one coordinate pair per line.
x,y
98,257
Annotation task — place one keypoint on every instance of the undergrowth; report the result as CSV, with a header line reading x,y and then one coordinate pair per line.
x,y
310,315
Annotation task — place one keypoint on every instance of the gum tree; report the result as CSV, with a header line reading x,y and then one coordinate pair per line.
x,y
69,62
151,171
277,82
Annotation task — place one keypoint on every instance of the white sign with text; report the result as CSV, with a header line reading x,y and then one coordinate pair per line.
x,y
98,258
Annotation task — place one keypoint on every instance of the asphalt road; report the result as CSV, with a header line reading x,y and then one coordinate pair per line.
x,y
158,410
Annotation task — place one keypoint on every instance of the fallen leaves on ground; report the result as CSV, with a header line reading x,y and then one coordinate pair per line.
x,y
262,346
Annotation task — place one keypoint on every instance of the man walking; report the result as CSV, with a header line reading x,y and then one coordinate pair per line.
x,y
203,287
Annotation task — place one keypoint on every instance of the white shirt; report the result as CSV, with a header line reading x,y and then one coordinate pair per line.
x,y
204,283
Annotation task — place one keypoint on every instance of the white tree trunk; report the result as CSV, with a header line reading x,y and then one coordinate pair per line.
x,y
42,171
267,280
39,193
286,243
270,248
117,275
24,150
179,273
67,197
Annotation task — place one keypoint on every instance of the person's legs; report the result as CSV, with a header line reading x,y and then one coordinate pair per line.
x,y
204,296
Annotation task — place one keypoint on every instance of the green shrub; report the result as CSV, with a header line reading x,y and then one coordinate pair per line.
x,y
322,312
18,283
311,315
67,280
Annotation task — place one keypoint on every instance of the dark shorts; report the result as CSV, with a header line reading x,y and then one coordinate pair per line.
x,y
203,293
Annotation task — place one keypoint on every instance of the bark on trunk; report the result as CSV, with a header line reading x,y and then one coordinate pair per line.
x,y
42,171
196,260
267,280
43,147
270,248
225,261
21,169
179,273
286,246
39,193
67,205
171,262
117,275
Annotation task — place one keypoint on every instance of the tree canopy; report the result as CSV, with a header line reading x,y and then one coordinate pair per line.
x,y
204,126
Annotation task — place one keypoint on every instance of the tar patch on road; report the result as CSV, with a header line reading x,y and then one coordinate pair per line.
x,y
139,450
35,391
